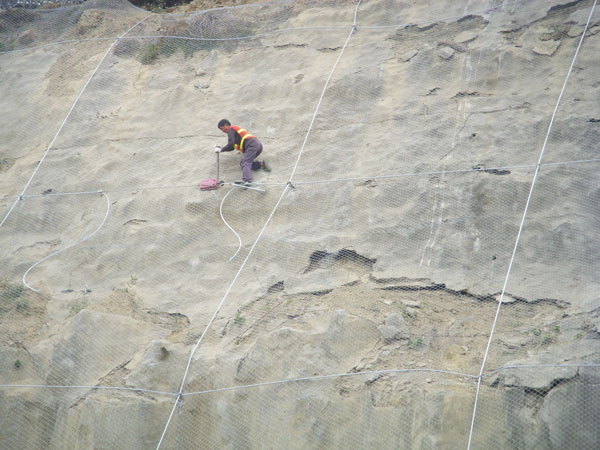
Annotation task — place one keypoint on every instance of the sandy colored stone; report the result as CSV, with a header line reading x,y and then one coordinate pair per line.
x,y
546,48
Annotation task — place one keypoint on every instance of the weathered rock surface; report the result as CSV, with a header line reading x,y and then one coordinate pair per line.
x,y
363,314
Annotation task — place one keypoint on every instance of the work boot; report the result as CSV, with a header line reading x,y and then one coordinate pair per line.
x,y
265,165
241,183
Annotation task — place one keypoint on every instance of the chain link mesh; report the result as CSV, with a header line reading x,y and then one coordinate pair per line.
x,y
419,270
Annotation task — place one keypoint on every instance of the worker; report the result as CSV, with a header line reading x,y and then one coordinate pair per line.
x,y
249,145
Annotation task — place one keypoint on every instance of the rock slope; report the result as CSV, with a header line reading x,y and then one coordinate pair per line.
x,y
417,182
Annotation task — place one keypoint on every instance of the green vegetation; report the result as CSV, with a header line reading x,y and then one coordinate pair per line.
x,y
204,36
12,291
544,336
77,306
11,298
23,305
150,54
18,364
239,319
409,314
416,343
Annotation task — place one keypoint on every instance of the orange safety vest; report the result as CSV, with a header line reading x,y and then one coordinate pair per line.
x,y
244,135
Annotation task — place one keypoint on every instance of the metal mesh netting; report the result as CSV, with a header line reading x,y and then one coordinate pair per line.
x,y
418,270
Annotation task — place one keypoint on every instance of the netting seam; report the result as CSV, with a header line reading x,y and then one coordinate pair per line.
x,y
522,224
239,38
284,192
326,377
384,372
332,180
146,12
302,379
481,375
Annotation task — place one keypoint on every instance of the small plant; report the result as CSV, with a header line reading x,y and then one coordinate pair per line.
x,y
22,305
18,364
536,331
13,290
157,5
415,343
77,306
547,340
239,319
150,54
409,314
556,329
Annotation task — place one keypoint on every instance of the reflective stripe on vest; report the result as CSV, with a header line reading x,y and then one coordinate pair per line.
x,y
244,135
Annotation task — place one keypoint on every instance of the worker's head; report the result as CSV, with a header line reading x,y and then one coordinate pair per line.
x,y
224,125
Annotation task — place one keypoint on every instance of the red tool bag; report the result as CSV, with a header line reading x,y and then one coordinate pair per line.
x,y
211,183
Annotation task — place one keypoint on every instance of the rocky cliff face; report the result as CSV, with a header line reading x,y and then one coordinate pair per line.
x,y
419,272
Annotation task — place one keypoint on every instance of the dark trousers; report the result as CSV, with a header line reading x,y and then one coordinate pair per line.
x,y
251,152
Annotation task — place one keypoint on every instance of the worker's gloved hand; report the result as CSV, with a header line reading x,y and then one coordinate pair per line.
x,y
217,149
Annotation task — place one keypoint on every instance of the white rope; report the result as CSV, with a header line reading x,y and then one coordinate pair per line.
x,y
67,118
284,192
332,180
180,393
327,377
521,225
212,319
299,379
229,226
352,31
69,246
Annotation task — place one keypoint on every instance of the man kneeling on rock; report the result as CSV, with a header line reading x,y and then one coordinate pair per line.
x,y
249,145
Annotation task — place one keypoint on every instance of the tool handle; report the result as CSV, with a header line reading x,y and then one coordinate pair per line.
x,y
217,166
